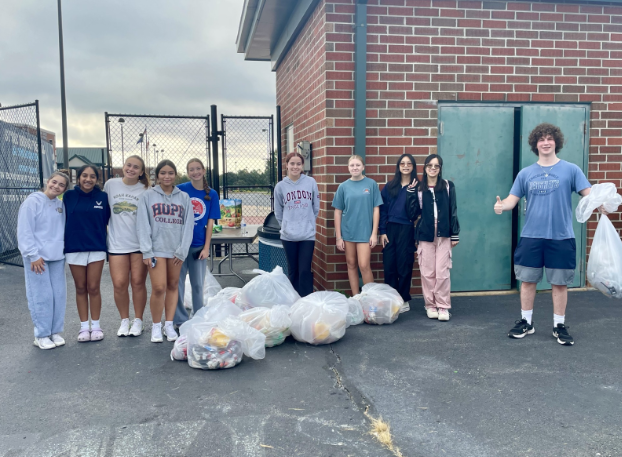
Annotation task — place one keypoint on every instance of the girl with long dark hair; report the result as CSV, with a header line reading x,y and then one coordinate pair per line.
x,y
206,209
165,225
87,210
41,240
397,231
124,256
434,199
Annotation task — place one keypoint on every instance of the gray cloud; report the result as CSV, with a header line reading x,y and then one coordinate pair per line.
x,y
134,57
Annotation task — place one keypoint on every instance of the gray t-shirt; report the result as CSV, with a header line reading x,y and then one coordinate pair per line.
x,y
548,191
123,201
357,200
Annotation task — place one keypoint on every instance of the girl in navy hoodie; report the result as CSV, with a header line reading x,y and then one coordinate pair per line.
x,y
85,247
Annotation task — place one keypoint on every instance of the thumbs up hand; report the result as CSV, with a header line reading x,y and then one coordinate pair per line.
x,y
498,206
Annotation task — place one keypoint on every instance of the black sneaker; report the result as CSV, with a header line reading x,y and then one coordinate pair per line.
x,y
521,329
561,333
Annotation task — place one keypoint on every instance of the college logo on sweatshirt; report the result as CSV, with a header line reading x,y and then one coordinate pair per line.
x,y
162,210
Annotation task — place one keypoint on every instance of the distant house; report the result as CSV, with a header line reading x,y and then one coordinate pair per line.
x,y
467,79
78,157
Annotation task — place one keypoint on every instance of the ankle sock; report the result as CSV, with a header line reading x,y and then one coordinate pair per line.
x,y
95,325
84,325
527,315
557,319
157,324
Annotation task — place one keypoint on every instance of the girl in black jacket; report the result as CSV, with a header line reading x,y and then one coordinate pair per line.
x,y
434,199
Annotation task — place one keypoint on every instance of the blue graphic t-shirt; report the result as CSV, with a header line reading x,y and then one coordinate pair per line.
x,y
548,191
203,211
357,200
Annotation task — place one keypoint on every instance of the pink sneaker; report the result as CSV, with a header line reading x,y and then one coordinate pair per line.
x,y
443,314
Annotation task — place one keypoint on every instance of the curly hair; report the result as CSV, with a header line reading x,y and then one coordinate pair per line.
x,y
543,130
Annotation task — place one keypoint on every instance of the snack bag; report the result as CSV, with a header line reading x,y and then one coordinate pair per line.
x,y
319,318
355,313
267,290
381,303
273,322
231,213
215,347
210,288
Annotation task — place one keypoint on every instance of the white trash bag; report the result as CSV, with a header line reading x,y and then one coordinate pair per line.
x,y
180,349
223,345
210,288
604,194
319,318
604,267
217,309
267,290
273,322
230,293
381,303
355,313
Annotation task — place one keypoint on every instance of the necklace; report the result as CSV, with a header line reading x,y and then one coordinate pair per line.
x,y
546,174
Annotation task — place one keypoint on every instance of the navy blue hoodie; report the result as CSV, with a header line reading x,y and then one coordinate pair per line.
x,y
87,219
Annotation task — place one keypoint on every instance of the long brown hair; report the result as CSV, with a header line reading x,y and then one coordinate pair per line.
x,y
143,178
206,186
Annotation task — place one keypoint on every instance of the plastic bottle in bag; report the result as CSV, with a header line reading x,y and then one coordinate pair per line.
x,y
319,318
273,322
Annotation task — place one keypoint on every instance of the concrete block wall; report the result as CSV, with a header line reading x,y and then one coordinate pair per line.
x,y
422,51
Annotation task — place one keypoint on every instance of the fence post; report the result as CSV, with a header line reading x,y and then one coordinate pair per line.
x,y
107,125
39,145
279,152
215,139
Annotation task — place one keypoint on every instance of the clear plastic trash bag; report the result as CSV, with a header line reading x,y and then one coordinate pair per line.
x,y
273,322
319,318
210,288
215,347
381,303
180,349
355,313
604,267
267,290
604,194
230,293
217,309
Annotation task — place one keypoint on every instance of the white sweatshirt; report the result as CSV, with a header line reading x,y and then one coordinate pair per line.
x,y
41,228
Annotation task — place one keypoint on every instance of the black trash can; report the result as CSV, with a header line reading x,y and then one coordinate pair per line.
x,y
271,252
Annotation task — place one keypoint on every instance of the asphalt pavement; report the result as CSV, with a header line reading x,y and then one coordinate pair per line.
x,y
457,388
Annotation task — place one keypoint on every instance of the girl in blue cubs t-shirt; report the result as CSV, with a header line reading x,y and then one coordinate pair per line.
x,y
206,210
357,214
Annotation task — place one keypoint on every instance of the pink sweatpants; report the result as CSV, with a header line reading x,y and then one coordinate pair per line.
x,y
434,265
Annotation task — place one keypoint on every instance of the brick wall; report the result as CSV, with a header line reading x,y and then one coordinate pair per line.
x,y
422,51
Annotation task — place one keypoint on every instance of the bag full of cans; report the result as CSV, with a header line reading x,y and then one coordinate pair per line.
x,y
267,290
273,322
223,345
381,303
319,318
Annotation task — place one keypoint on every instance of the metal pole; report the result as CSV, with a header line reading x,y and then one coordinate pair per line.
x,y
62,88
279,152
215,139
109,158
39,145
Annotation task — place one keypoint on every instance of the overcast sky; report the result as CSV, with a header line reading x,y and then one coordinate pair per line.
x,y
130,57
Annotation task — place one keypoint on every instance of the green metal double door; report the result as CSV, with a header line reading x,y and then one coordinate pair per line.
x,y
483,148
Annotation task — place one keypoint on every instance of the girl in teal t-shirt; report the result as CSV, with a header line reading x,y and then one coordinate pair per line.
x,y
357,214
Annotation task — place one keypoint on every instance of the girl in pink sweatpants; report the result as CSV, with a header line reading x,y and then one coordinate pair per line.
x,y
437,233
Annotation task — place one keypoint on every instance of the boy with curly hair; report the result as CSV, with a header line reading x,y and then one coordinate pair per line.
x,y
547,239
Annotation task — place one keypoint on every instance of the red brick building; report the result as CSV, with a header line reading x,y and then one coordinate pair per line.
x,y
432,69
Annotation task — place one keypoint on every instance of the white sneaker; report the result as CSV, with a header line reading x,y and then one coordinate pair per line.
x,y
44,343
57,340
171,334
432,313
443,314
124,329
156,334
137,327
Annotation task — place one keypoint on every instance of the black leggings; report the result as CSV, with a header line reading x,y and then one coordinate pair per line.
x,y
398,258
299,257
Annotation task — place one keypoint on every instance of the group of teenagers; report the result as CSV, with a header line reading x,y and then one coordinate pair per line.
x,y
165,231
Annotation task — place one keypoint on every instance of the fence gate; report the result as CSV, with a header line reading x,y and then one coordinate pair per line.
x,y
155,138
22,170
248,167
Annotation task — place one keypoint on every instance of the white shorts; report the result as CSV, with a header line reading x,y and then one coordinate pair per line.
x,y
84,258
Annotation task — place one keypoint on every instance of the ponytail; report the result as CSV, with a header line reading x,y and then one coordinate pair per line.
x,y
143,178
206,186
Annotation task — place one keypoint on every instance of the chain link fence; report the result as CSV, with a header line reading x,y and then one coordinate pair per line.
x,y
248,163
24,163
155,138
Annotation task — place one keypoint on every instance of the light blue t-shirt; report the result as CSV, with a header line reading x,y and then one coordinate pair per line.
x,y
357,200
549,199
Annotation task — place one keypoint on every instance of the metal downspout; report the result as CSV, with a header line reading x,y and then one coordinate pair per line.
x,y
360,76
